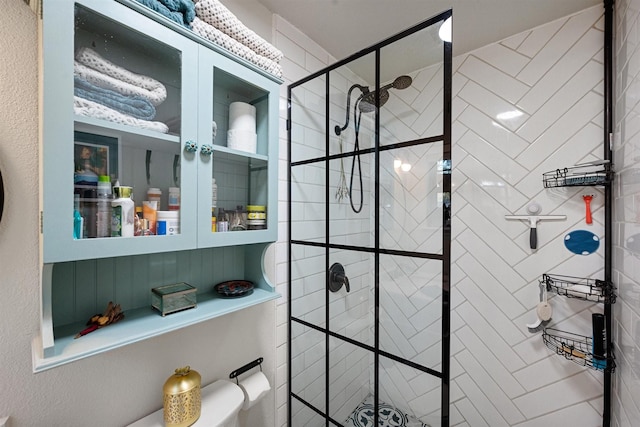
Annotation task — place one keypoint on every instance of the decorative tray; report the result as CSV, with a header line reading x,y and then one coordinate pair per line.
x,y
234,288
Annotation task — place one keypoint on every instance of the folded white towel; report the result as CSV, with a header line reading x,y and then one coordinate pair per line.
x,y
104,73
84,107
215,13
211,33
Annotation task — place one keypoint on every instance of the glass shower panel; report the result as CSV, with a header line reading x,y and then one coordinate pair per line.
x,y
308,207
410,312
308,120
308,284
308,365
348,227
351,313
412,71
302,415
349,115
350,378
405,390
412,199
370,191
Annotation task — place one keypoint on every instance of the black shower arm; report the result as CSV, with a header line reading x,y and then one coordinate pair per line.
x,y
363,89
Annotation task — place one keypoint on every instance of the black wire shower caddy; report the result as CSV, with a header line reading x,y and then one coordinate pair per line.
x,y
588,174
588,289
578,349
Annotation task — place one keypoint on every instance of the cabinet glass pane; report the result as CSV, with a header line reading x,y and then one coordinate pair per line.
x,y
240,134
127,103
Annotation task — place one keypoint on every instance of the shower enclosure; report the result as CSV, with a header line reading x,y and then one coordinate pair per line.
x,y
369,236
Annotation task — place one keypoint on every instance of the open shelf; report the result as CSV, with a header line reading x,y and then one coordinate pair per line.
x,y
140,324
588,174
577,348
582,288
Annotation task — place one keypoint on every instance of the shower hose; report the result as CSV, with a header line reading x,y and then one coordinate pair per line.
x,y
356,157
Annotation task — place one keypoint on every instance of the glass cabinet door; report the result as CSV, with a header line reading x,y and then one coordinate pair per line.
x,y
238,118
119,145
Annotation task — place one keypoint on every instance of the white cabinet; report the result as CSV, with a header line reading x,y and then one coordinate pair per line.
x,y
159,136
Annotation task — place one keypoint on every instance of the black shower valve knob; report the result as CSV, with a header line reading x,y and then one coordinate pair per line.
x,y
337,278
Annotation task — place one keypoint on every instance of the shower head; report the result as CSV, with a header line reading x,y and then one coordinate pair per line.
x,y
367,100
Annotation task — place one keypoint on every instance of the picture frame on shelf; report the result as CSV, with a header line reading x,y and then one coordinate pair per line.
x,y
93,156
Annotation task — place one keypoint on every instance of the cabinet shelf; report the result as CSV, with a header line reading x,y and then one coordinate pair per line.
x,y
587,174
577,348
129,135
582,288
140,324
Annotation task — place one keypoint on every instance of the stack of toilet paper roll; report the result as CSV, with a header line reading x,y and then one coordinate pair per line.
x,y
254,388
242,127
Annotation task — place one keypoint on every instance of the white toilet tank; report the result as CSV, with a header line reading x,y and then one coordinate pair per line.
x,y
221,404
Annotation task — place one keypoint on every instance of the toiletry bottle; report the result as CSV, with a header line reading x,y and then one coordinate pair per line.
x,y
78,221
154,195
214,193
213,220
223,222
137,222
123,212
174,198
89,207
104,207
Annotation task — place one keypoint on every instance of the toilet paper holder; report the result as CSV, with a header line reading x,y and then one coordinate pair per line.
x,y
245,368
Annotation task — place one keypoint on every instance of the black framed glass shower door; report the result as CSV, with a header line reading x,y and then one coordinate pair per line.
x,y
369,235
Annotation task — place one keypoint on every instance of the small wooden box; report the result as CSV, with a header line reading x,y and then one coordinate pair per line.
x,y
172,298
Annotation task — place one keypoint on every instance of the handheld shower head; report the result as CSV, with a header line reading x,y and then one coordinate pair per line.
x,y
402,82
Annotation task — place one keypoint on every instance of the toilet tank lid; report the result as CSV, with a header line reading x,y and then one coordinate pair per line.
x,y
221,399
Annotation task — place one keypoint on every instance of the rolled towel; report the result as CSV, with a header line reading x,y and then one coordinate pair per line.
x,y
211,33
186,7
215,13
84,107
121,79
134,106
175,15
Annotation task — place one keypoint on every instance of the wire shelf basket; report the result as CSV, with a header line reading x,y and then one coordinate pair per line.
x,y
579,176
582,288
577,348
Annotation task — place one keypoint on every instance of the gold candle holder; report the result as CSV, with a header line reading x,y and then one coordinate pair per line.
x,y
182,398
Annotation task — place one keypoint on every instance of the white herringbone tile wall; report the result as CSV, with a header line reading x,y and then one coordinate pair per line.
x,y
527,105
626,265
521,107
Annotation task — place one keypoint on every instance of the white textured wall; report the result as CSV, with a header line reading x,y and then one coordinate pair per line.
x,y
120,386
626,229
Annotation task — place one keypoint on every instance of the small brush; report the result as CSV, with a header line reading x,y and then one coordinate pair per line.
x,y
587,204
537,326
543,311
